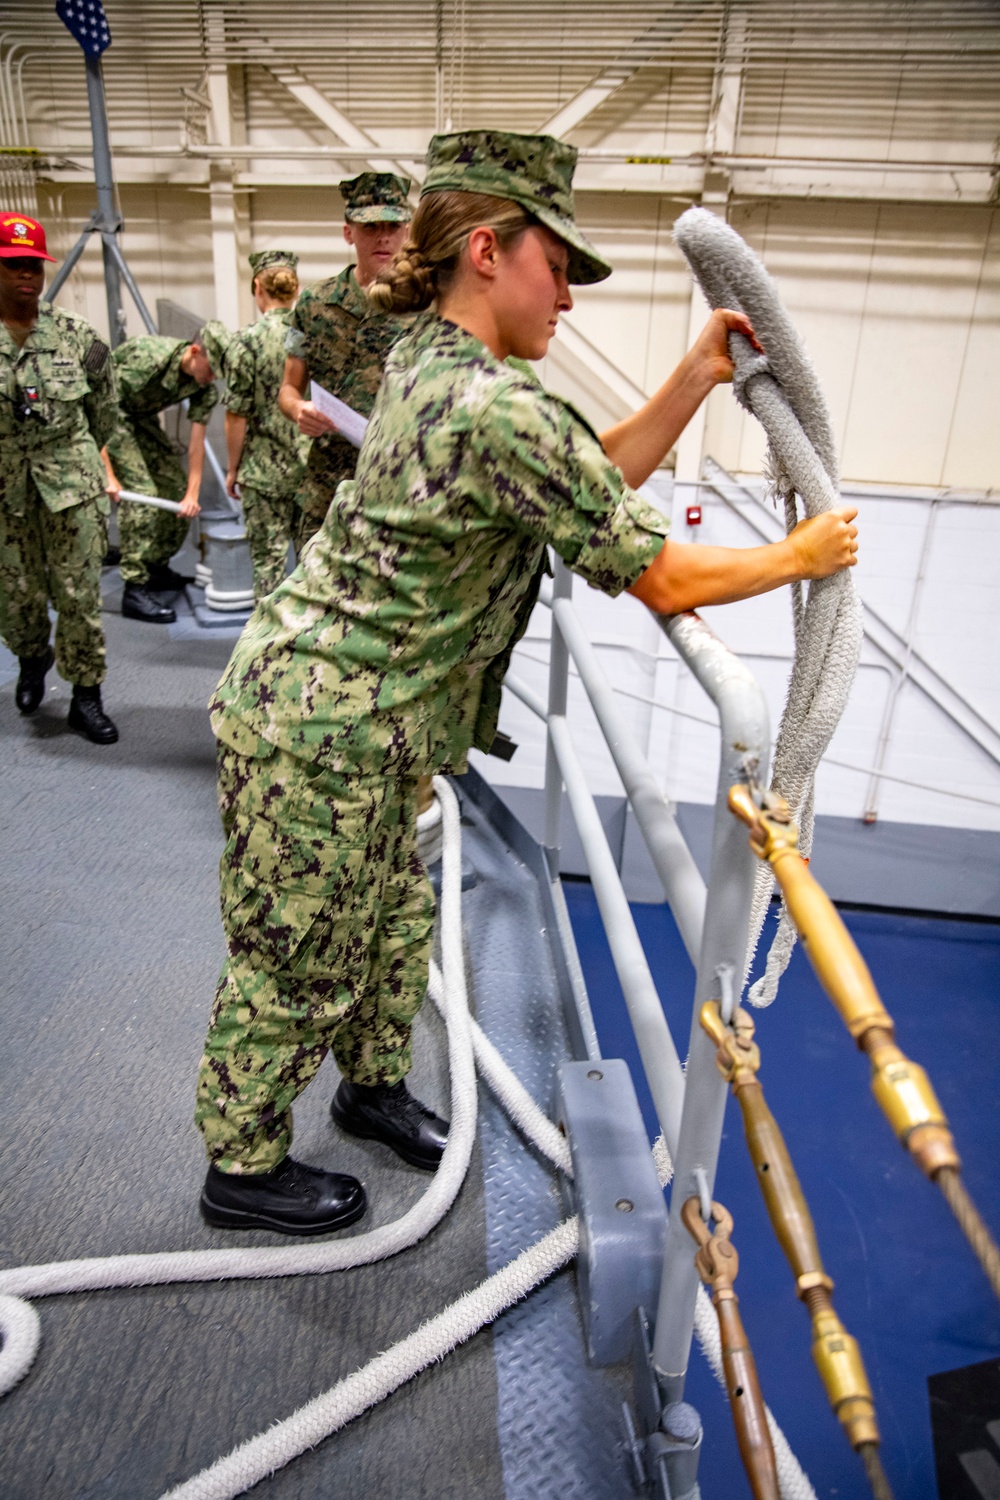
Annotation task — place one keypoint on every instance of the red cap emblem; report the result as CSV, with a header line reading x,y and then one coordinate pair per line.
x,y
20,235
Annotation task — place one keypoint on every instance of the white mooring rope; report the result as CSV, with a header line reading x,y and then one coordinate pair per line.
x,y
781,389
255,1459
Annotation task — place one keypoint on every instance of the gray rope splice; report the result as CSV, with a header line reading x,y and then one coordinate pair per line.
x,y
781,389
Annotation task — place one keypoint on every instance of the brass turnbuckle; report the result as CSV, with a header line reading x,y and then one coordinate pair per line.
x,y
901,1088
717,1263
836,1353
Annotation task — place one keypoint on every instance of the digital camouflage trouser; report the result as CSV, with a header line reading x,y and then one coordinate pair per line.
x,y
328,917
57,556
148,464
312,503
270,525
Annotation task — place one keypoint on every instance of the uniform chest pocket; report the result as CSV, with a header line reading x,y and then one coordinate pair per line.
x,y
61,385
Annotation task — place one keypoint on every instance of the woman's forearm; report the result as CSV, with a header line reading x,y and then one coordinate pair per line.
x,y
686,575
639,444
236,431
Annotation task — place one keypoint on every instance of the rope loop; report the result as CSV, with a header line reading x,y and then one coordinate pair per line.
x,y
783,392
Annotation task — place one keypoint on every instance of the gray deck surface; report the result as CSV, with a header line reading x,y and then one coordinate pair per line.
x,y
110,953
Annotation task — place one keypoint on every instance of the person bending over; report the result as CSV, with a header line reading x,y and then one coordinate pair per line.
x,y
155,372
381,658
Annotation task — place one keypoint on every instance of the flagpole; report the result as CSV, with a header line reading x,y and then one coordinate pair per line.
x,y
108,221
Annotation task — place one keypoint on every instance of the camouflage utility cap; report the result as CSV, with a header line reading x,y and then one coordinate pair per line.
x,y
262,259
535,171
215,339
376,198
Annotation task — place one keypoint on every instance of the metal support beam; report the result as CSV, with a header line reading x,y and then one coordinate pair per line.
x,y
648,46
108,221
222,199
720,136
336,121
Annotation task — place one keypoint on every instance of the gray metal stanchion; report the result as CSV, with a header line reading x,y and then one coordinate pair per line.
x,y
745,745
558,679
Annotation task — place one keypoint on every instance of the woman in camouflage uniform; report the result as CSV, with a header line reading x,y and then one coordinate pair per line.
x,y
381,659
266,452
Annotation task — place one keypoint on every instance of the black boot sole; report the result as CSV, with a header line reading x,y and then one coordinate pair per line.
x,y
235,1218
369,1133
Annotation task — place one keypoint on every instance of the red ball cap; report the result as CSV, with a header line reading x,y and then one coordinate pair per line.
x,y
20,235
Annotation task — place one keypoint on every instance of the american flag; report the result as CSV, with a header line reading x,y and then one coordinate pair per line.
x,y
86,21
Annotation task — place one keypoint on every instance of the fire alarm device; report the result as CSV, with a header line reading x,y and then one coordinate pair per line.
x,y
694,515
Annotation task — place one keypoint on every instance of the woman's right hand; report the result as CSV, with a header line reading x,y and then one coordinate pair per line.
x,y
311,422
825,544
113,490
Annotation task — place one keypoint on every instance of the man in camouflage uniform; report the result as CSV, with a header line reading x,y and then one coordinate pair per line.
x,y
155,372
57,408
338,339
267,453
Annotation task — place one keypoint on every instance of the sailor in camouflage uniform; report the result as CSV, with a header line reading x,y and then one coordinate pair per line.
x,y
382,659
57,408
337,338
267,453
155,372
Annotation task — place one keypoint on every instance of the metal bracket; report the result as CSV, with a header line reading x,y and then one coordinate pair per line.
x,y
104,223
669,1436
623,1220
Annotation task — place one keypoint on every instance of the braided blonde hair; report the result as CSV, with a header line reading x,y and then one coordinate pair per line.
x,y
425,266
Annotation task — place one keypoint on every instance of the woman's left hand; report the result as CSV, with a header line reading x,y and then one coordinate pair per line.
x,y
712,345
189,507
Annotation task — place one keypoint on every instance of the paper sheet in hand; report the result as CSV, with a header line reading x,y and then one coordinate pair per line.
x,y
349,423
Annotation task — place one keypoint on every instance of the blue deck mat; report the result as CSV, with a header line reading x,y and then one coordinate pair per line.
x,y
907,1286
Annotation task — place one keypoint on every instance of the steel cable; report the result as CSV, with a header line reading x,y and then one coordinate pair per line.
x,y
984,1247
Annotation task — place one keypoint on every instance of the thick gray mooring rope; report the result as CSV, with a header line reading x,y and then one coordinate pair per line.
x,y
781,389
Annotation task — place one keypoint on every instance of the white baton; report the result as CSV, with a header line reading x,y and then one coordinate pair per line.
x,y
153,500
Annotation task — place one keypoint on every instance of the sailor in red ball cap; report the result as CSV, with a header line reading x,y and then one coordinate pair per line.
x,y
58,407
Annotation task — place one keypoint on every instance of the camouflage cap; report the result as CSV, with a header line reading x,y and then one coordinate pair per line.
x,y
376,198
215,339
535,171
261,259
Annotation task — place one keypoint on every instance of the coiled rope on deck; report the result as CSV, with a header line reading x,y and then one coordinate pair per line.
x,y
782,391
260,1456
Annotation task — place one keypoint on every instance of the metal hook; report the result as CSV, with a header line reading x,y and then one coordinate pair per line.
x,y
704,1196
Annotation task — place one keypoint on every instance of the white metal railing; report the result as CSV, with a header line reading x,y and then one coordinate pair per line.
x,y
713,920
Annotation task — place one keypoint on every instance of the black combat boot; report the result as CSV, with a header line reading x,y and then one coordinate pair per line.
x,y
388,1112
139,604
293,1199
30,688
162,576
112,557
86,713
